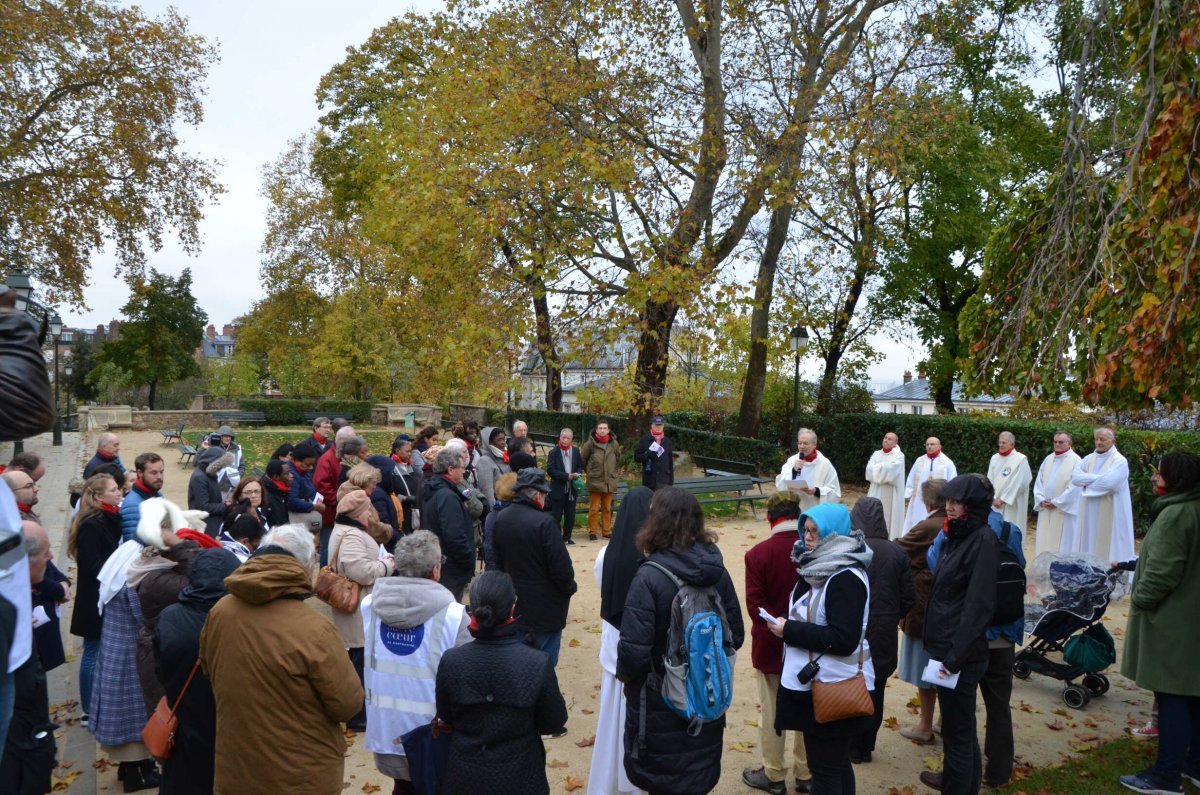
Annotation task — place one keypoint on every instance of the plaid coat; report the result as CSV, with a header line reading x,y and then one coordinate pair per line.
x,y
117,713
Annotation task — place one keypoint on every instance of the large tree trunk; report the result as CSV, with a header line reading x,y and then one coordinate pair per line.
x,y
864,260
153,391
545,344
650,377
750,413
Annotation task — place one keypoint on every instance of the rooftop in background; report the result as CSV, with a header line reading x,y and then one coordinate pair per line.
x,y
915,396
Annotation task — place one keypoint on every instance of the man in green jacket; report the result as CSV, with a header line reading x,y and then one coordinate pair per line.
x,y
1161,645
601,456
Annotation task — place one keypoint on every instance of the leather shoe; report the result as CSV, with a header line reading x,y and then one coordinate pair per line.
x,y
916,735
756,777
803,785
931,780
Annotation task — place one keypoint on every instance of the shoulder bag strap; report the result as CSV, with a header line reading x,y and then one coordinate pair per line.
x,y
186,684
861,648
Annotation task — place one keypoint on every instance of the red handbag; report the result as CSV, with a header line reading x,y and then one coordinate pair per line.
x,y
159,732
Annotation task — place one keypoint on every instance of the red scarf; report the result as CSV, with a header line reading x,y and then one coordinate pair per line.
x,y
1001,452
139,484
1064,452
104,506
601,439
281,485
933,455
105,456
396,458
658,437
475,627
506,456
808,459
885,450
23,508
1160,490
321,440
203,539
780,521
566,448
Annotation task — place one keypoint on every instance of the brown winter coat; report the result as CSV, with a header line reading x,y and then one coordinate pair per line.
x,y
278,670
916,542
600,463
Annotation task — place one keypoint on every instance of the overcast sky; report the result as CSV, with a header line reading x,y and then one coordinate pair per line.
x,y
260,95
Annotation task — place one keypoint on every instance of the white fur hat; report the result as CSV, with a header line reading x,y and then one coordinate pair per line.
x,y
158,514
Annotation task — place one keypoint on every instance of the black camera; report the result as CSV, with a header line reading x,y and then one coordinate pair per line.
x,y
809,672
214,440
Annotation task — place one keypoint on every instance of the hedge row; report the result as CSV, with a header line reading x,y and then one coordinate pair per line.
x,y
291,412
849,439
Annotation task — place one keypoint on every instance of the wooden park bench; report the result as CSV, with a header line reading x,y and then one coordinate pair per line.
x,y
543,442
723,467
239,417
170,435
187,454
737,489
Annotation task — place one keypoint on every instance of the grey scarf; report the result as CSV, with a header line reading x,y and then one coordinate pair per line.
x,y
831,556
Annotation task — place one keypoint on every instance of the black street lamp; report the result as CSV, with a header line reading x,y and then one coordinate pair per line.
x,y
799,342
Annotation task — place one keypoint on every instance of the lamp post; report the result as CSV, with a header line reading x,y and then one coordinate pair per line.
x,y
67,370
799,342
56,328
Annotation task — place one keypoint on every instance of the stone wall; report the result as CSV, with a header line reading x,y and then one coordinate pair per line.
x,y
194,422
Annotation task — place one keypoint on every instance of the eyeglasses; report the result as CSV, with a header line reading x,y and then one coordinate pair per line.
x,y
30,485
443,561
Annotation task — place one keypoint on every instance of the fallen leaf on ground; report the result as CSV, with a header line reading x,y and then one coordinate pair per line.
x,y
908,789
741,748
933,763
63,783
369,788
585,742
556,763
1056,725
1062,712
1087,738
753,723
574,643
587,711
574,783
891,722
1027,708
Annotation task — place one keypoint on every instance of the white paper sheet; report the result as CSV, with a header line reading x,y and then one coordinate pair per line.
x,y
934,675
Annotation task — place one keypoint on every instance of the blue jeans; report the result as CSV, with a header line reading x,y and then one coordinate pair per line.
x,y
87,673
549,642
1178,737
8,699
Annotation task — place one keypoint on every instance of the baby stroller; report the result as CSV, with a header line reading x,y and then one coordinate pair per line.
x,y
1066,623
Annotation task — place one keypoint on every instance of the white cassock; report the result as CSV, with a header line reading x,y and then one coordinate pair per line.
x,y
1010,477
885,473
923,469
1104,525
1053,483
819,473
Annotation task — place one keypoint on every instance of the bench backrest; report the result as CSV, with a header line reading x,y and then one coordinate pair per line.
x,y
716,485
725,465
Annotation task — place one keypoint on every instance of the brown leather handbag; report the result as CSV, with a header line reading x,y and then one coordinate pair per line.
x,y
848,698
337,590
159,732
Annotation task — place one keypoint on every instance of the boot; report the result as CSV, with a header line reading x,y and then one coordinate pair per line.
x,y
140,775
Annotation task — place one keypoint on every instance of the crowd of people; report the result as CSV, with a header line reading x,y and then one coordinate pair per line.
x,y
456,552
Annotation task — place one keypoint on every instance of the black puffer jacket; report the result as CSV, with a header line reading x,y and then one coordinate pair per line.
x,y
892,591
176,647
669,760
657,470
445,515
529,547
500,696
964,585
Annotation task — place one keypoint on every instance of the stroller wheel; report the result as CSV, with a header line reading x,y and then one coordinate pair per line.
x,y
1096,684
1021,669
1076,696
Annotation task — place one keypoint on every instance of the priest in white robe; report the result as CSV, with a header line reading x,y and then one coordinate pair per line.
x,y
1104,526
1055,500
885,473
820,479
934,465
1010,476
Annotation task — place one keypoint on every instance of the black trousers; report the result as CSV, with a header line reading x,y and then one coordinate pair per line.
x,y
829,763
357,660
563,511
962,766
996,689
865,742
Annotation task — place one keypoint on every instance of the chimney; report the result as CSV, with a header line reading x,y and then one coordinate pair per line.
x,y
907,376
211,333
227,330
114,329
921,374
101,332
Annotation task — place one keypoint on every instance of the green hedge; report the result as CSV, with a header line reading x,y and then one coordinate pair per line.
x,y
291,412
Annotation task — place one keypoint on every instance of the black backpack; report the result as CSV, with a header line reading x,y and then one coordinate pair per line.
x,y
1010,582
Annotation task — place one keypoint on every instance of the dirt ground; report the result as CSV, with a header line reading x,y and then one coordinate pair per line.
x,y
1046,732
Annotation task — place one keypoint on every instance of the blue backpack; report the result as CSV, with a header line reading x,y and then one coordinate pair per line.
x,y
698,680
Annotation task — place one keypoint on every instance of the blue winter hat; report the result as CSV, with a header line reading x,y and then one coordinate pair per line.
x,y
830,519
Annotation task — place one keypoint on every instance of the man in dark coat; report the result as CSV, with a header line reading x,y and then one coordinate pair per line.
x,y
108,449
204,492
277,484
892,596
655,454
444,513
961,601
176,649
564,465
529,548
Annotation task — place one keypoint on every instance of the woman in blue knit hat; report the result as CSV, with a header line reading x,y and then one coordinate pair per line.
x,y
826,624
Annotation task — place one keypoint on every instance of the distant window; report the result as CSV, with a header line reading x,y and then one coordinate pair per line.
x,y
67,336
895,408
917,410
